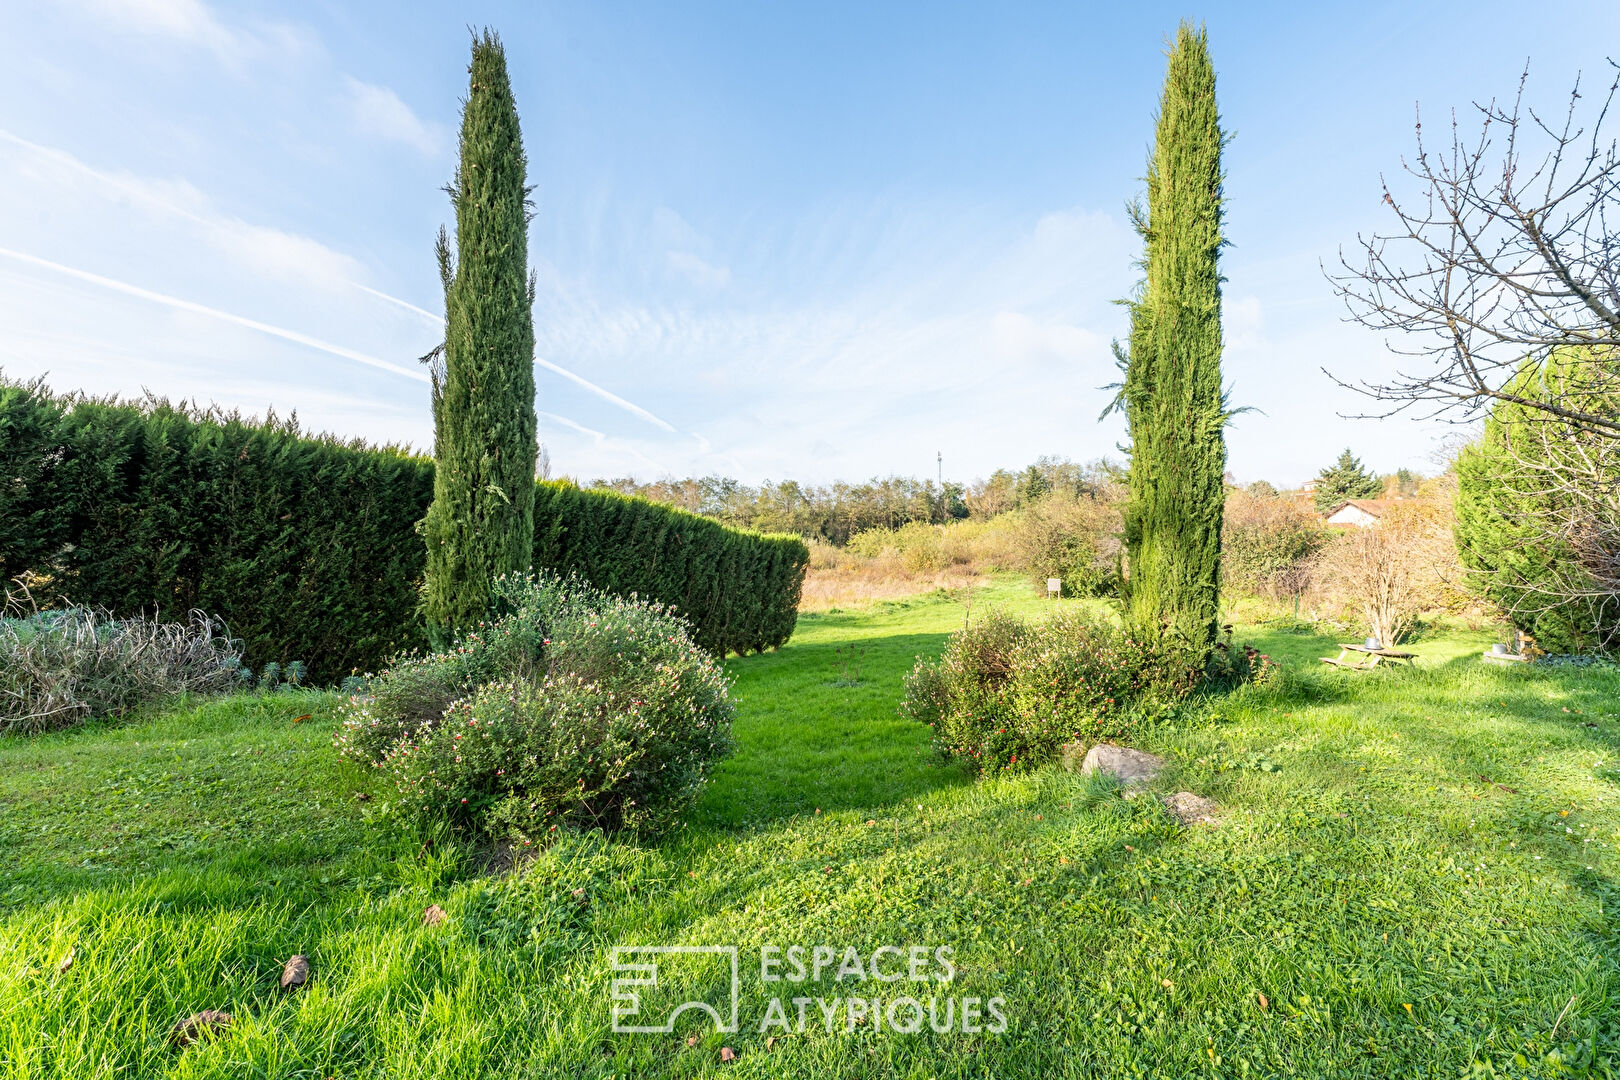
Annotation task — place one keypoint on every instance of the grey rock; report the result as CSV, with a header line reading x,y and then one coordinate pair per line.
x,y
1190,809
1133,767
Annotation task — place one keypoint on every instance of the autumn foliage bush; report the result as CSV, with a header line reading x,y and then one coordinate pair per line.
x,y
570,707
1267,544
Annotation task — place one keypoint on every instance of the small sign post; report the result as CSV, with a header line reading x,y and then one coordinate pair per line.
x,y
1054,587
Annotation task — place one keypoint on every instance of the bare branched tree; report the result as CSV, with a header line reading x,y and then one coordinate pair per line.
x,y
1508,255
1500,286
1391,573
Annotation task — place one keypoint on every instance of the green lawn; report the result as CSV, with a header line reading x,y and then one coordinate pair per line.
x,y
1416,870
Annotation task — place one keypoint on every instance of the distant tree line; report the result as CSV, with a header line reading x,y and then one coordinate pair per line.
x,y
838,511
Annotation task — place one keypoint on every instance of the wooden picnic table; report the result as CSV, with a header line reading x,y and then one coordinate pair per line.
x,y
1345,660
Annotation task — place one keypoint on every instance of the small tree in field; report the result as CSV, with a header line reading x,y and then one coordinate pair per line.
x,y
481,523
1171,392
1392,572
1344,480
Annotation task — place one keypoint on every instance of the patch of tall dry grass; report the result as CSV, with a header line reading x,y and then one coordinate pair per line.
x,y
885,564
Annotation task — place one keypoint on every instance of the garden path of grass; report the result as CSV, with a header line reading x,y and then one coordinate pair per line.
x,y
1415,869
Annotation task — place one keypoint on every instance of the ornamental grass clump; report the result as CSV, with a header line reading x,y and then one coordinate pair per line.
x,y
568,706
1007,693
59,668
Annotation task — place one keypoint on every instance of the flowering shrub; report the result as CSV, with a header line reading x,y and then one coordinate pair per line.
x,y
1006,694
571,706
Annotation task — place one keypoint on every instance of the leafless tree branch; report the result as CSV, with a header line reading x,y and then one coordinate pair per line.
x,y
1505,258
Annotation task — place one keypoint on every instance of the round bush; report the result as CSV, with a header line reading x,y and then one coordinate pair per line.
x,y
1006,693
570,706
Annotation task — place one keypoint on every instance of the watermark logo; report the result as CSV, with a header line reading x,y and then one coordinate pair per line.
x,y
627,988
899,989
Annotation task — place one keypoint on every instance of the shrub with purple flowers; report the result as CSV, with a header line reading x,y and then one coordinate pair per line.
x,y
570,706
1007,693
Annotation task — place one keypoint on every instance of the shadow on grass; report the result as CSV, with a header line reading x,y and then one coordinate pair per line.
x,y
807,742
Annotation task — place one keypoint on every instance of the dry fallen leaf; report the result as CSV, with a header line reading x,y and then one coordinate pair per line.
x,y
770,1041
727,1054
691,1040
198,1026
1264,1004
432,915
301,719
295,973
67,962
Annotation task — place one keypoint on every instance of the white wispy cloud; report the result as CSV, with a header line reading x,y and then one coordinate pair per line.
x,y
378,111
259,247
194,24
194,308
699,272
189,21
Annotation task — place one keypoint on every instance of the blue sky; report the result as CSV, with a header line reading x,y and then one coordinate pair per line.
x,y
806,241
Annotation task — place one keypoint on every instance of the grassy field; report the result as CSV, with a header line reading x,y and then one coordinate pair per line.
x,y
1414,875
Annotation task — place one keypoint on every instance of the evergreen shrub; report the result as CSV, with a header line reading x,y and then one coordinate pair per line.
x,y
573,707
1008,693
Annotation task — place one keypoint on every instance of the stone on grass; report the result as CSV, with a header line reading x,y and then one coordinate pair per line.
x,y
1133,767
1190,809
296,973
199,1026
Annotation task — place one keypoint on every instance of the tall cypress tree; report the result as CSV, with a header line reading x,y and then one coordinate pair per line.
x,y
1172,391
481,523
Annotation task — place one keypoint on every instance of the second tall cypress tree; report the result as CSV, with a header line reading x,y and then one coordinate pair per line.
x,y
481,523
1172,390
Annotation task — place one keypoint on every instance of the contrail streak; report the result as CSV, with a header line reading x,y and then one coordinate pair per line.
x,y
151,198
580,380
628,406
215,313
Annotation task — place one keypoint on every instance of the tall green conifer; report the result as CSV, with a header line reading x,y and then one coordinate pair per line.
x,y
1344,480
481,523
1172,389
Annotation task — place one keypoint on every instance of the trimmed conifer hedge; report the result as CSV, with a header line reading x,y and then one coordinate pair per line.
x,y
308,546
739,590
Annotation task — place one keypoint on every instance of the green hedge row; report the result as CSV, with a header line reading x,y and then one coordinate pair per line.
x,y
308,546
739,590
